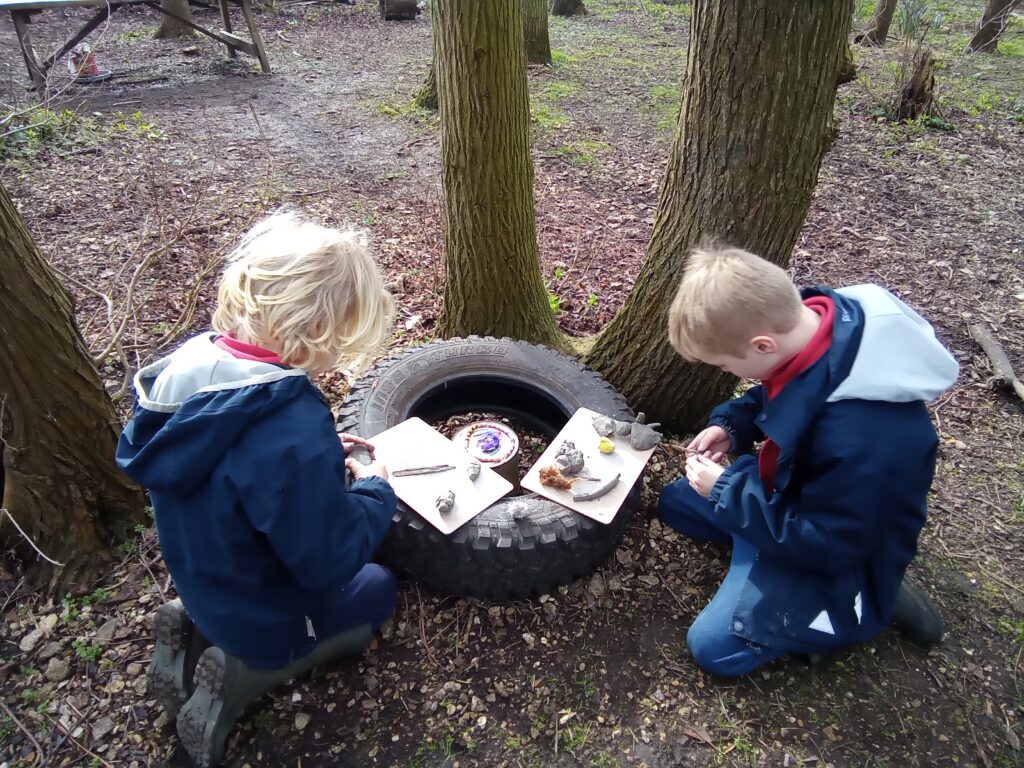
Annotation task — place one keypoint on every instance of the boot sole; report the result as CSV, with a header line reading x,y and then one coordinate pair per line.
x,y
201,727
167,675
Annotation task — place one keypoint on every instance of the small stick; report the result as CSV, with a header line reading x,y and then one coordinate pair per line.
x,y
1002,372
422,470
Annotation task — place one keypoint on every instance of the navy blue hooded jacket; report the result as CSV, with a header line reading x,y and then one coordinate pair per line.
x,y
247,478
857,457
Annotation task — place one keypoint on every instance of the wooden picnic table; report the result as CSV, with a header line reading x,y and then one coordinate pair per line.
x,y
38,69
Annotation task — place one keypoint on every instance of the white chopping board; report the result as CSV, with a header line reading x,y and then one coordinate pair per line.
x,y
625,460
414,443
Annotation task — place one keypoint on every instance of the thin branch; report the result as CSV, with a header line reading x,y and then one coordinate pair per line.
x,y
26,731
28,538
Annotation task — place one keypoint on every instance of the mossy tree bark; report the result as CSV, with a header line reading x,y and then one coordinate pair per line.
x,y
58,429
535,31
993,22
493,284
568,8
171,27
426,96
878,29
760,88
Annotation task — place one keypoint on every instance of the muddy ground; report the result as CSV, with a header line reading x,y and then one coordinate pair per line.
x,y
166,163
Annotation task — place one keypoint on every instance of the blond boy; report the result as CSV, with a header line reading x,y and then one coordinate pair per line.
x,y
825,518
268,549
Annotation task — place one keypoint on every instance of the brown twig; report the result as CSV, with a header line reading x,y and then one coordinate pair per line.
x,y
423,631
26,731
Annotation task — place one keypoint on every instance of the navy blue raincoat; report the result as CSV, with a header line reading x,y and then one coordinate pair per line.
x,y
247,478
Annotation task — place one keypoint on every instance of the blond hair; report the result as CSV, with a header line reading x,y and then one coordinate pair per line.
x,y
313,293
727,297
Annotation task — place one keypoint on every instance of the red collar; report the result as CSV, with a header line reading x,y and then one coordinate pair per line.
x,y
245,351
785,372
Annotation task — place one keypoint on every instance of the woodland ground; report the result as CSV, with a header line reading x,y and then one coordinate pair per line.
x,y
167,163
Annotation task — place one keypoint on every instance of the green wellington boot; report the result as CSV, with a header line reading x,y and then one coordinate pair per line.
x,y
178,648
916,617
225,686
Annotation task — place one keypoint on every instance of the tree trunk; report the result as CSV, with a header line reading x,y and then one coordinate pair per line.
x,y
170,27
760,87
878,29
535,31
568,8
847,65
426,96
58,430
493,284
915,98
993,22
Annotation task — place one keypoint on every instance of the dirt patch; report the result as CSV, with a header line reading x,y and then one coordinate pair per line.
x,y
177,155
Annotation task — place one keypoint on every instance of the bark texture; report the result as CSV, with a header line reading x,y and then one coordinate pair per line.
x,y
426,96
170,27
493,284
568,8
878,29
535,31
57,425
915,98
993,22
760,86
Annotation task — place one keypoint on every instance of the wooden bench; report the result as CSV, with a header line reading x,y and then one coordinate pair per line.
x,y
38,69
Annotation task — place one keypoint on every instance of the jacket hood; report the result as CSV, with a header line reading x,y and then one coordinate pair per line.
x,y
898,359
192,406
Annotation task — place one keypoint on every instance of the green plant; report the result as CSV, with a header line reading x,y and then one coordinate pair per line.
x,y
135,125
549,117
561,59
554,301
98,596
555,90
915,19
593,300
31,696
29,132
86,650
71,610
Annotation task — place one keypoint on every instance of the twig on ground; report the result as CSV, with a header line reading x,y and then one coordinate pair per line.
x,y
423,631
26,731
1002,372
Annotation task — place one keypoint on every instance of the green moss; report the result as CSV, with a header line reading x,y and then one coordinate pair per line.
x,y
549,117
583,151
555,90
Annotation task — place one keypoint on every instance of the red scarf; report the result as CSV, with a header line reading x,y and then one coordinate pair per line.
x,y
782,374
245,351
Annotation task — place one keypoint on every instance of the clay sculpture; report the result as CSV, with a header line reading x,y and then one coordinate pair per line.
x,y
569,458
643,436
445,502
604,445
553,478
604,426
473,469
598,492
422,470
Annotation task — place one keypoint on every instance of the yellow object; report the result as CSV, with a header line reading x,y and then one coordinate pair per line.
x,y
605,445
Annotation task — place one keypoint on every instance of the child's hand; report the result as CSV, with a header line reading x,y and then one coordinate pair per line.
x,y
703,473
362,471
713,442
348,442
